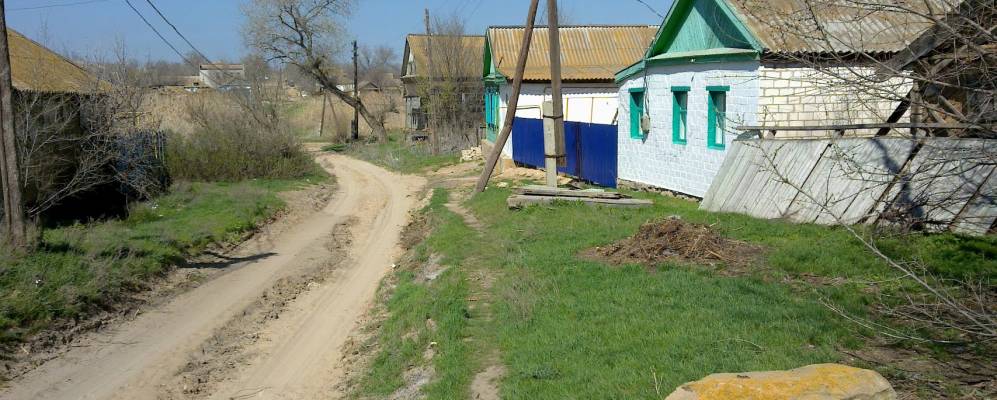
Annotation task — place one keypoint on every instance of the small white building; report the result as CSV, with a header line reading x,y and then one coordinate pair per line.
x,y
716,65
590,57
223,76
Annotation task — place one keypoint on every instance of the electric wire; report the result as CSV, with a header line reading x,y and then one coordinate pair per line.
x,y
159,34
77,3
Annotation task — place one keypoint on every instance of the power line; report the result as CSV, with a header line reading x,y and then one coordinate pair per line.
x,y
77,3
650,8
228,75
196,50
161,37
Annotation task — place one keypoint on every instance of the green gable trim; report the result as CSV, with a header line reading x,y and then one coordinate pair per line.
x,y
722,54
689,57
487,57
681,88
490,74
699,25
718,88
632,70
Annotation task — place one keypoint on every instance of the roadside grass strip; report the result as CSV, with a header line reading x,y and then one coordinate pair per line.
x,y
568,327
82,269
399,156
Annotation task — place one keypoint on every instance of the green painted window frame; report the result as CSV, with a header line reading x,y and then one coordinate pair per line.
x,y
635,131
716,119
680,114
492,112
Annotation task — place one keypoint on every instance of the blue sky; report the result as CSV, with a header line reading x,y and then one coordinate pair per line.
x,y
214,25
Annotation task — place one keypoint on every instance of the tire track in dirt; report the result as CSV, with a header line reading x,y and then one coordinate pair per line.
x,y
140,359
302,359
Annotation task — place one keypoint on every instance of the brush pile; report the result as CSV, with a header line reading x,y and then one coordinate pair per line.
x,y
674,239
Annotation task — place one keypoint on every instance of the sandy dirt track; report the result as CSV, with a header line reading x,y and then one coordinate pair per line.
x,y
142,358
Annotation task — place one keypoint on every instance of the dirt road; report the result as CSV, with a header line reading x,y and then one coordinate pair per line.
x,y
295,354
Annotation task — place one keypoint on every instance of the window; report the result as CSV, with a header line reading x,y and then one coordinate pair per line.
x,y
717,117
680,114
636,112
491,112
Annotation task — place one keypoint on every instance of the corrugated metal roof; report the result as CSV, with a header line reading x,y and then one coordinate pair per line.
x,y
418,45
844,26
588,53
35,68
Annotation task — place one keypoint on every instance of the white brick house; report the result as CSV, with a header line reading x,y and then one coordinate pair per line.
x,y
716,65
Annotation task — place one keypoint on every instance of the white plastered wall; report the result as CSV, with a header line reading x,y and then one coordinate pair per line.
x,y
686,168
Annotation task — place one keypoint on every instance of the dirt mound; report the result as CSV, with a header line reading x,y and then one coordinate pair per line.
x,y
673,239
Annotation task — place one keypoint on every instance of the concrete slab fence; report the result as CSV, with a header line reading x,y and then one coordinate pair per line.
x,y
942,184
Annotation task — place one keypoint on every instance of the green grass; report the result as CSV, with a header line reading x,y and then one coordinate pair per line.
x,y
397,155
405,336
81,269
571,328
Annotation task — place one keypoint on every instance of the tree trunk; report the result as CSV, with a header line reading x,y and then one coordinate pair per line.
x,y
376,126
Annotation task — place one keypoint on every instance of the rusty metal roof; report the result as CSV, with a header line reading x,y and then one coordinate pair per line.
x,y
588,53
418,47
843,26
35,68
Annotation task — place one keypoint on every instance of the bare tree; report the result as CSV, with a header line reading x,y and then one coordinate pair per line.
x,y
306,34
378,65
943,84
452,90
68,142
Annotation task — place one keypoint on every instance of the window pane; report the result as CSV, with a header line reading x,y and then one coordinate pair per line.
x,y
719,100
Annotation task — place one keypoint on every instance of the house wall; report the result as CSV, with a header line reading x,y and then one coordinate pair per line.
x,y
800,96
686,168
583,102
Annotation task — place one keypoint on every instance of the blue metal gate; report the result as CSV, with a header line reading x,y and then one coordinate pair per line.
x,y
592,149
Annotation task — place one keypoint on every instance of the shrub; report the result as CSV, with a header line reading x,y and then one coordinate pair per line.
x,y
237,138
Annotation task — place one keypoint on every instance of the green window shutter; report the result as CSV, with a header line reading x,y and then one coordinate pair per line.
x,y
716,117
636,112
680,113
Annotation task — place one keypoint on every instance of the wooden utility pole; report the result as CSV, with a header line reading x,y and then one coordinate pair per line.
x,y
356,93
554,154
325,101
14,227
434,138
517,84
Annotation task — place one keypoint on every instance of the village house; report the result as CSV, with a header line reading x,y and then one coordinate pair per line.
x,y
191,84
460,58
590,57
224,76
52,101
716,65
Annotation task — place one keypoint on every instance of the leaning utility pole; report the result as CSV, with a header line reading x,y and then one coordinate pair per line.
x,y
14,228
554,112
517,84
356,94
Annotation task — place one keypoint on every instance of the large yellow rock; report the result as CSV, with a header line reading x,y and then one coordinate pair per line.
x,y
813,382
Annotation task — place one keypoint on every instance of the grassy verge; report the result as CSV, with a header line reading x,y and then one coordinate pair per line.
x,y
407,333
79,270
567,327
397,155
